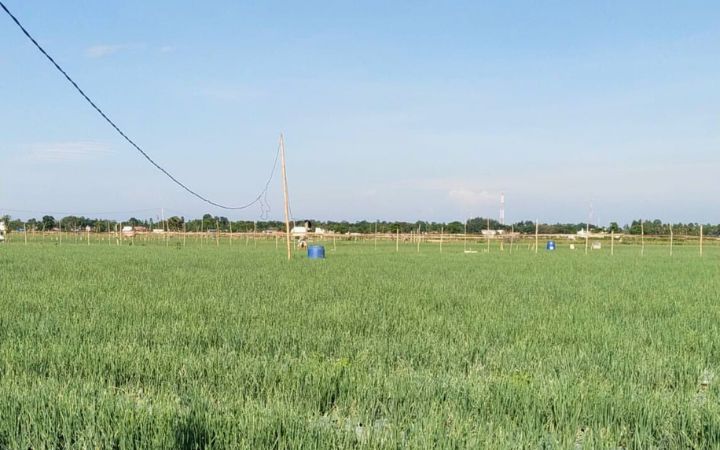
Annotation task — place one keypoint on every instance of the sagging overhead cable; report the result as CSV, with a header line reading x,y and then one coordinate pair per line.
x,y
257,199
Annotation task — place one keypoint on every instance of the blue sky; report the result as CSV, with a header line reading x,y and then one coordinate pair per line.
x,y
391,110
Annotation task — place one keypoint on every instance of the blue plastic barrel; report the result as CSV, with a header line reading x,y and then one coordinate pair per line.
x,y
550,245
316,252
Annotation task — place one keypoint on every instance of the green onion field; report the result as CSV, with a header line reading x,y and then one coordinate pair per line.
x,y
182,347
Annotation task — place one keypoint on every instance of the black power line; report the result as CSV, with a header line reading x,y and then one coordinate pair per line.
x,y
130,141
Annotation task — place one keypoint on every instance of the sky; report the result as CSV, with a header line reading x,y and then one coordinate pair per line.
x,y
421,110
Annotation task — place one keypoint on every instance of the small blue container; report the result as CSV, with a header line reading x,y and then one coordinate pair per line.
x,y
550,245
316,252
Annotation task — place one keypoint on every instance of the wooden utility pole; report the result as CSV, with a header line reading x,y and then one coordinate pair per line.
x,y
285,194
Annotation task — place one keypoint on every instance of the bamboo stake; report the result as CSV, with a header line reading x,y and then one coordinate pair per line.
x,y
587,236
671,240
442,229
25,231
642,238
184,233
88,235
537,231
231,236
418,239
254,234
109,233
465,237
397,240
375,236
334,246
512,237
488,235
612,242
217,233
285,196
701,240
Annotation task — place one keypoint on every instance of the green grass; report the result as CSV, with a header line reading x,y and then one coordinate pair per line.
x,y
149,346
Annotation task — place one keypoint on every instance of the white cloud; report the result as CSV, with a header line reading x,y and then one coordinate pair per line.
x,y
468,197
68,151
229,93
102,50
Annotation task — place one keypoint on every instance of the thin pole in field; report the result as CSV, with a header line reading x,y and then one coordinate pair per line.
x,y
488,235
537,237
397,239
612,242
88,234
231,232
375,236
512,236
217,233
163,224
418,239
442,230
671,240
60,227
184,233
202,227
109,233
334,246
120,236
642,238
587,236
276,241
43,232
25,230
465,237
285,196
701,240
255,234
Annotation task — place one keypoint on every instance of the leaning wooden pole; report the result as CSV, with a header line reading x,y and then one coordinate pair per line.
x,y
285,194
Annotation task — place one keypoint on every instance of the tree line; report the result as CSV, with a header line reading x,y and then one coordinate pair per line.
x,y
208,222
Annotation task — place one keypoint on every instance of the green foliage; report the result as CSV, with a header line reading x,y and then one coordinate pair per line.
x,y
231,346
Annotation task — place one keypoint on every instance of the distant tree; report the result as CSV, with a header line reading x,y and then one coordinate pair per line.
x,y
455,227
175,223
614,227
48,222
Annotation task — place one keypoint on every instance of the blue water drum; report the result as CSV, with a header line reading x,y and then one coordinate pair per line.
x,y
550,245
316,252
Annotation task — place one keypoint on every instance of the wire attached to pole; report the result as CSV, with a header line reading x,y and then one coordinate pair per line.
x,y
125,136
